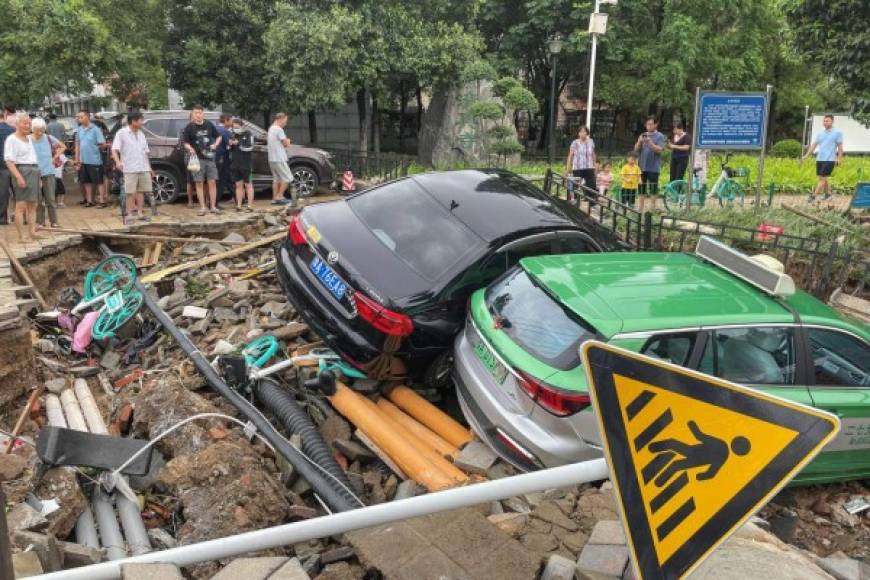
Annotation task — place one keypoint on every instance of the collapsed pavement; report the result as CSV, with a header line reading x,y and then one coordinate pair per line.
x,y
211,479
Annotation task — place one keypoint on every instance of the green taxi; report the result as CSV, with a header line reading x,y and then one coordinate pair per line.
x,y
517,368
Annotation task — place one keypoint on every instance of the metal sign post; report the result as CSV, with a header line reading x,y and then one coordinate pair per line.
x,y
691,183
758,183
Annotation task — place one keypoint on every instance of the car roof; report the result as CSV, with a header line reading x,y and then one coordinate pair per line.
x,y
493,203
644,291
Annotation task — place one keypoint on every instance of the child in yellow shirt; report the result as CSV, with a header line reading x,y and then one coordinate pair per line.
x,y
630,174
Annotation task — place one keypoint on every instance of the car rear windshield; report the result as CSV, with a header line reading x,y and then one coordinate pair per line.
x,y
535,321
414,227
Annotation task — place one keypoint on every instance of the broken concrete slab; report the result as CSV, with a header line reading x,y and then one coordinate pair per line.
x,y
55,386
78,555
110,360
609,560
196,312
51,556
549,511
558,568
406,489
511,523
475,457
250,568
23,517
12,466
155,571
742,559
82,372
841,567
222,347
291,570
290,331
26,564
354,451
608,532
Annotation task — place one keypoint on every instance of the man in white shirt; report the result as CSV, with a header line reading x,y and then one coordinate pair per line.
x,y
130,152
21,161
277,143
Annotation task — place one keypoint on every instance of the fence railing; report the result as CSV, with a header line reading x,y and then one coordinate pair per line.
x,y
817,266
374,167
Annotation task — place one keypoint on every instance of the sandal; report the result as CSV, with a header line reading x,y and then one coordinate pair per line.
x,y
201,212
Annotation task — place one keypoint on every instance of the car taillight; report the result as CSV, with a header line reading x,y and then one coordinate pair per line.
x,y
553,400
294,230
385,320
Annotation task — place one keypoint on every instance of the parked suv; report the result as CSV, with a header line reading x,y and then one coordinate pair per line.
x,y
311,167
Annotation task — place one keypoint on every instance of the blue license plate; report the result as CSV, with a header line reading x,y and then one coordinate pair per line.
x,y
328,278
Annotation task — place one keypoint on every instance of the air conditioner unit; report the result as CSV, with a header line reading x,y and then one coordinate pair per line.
x,y
759,272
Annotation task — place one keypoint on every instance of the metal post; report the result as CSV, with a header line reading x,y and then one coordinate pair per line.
x,y
553,113
691,184
765,125
339,523
592,73
804,134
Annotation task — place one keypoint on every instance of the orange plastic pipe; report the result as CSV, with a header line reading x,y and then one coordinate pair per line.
x,y
422,432
382,432
430,415
435,458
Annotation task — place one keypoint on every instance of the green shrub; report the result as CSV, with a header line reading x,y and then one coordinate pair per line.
x,y
500,132
521,99
507,147
488,110
786,148
478,70
503,86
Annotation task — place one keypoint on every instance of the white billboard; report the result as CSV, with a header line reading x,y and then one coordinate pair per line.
x,y
856,137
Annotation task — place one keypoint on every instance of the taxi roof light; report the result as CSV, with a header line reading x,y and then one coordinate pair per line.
x,y
757,272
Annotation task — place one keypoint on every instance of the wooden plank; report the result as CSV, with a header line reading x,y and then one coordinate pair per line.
x,y
21,271
381,455
125,236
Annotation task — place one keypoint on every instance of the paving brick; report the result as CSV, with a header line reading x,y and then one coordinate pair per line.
x,y
604,559
250,568
150,572
841,568
559,568
608,532
475,457
77,555
291,570
430,564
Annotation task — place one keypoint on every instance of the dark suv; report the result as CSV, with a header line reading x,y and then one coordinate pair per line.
x,y
311,167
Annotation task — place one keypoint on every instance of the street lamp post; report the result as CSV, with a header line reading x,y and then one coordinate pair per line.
x,y
555,47
597,25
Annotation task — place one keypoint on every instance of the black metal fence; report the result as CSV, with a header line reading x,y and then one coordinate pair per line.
x,y
374,167
817,266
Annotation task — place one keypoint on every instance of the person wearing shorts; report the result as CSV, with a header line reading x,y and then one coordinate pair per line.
x,y
19,154
240,147
130,154
201,138
828,146
276,144
89,139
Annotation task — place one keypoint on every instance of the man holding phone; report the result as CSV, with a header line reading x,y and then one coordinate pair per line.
x,y
649,146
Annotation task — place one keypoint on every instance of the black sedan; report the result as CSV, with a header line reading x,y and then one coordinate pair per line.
x,y
384,276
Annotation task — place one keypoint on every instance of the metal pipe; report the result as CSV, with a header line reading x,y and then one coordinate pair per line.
x,y
128,511
385,513
336,499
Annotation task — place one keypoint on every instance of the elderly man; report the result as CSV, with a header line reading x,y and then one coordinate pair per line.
x,y
6,129
88,161
47,149
130,153
21,161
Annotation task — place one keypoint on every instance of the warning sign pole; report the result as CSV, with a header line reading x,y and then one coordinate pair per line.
x,y
759,182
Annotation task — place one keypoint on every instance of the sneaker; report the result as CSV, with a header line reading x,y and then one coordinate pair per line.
x,y
215,210
279,202
201,212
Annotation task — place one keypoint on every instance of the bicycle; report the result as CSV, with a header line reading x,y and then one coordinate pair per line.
x,y
726,189
109,288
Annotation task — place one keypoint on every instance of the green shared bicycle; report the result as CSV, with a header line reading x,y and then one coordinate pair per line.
x,y
727,189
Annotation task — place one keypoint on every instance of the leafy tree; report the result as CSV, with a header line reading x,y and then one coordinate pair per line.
x,y
836,35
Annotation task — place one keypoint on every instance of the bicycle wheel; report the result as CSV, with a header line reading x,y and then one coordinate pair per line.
x,y
110,321
730,192
676,194
113,273
260,350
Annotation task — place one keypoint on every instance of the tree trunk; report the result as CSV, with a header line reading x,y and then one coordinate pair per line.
x,y
363,107
376,127
403,106
267,118
312,127
419,95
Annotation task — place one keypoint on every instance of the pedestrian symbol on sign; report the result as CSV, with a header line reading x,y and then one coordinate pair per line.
x,y
692,456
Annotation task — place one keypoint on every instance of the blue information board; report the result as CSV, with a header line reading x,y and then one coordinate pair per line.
x,y
731,120
861,199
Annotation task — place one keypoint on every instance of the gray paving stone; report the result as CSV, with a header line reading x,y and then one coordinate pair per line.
x,y
608,532
559,568
603,559
25,564
291,570
250,568
475,457
150,572
76,555
841,567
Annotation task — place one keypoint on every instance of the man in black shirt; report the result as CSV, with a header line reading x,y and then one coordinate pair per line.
x,y
680,147
240,147
201,138
6,129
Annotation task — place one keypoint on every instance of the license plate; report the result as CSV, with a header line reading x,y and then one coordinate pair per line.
x,y
489,360
328,278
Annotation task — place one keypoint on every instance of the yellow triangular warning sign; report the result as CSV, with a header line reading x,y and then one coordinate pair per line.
x,y
692,456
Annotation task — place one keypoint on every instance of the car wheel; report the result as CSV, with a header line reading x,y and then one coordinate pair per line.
x,y
166,185
305,180
439,374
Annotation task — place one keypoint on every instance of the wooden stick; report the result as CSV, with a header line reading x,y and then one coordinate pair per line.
x,y
19,269
159,275
817,219
19,425
122,236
